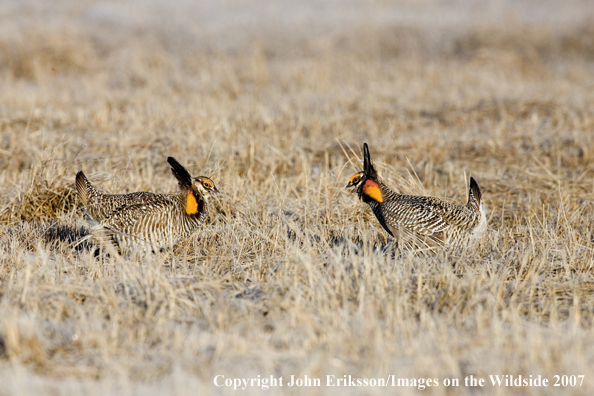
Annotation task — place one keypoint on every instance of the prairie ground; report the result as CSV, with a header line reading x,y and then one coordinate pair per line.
x,y
291,274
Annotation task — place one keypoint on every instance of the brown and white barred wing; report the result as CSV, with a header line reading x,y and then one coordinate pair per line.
x,y
157,224
152,224
101,206
416,220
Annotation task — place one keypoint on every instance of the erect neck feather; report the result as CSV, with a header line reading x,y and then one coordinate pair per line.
x,y
372,190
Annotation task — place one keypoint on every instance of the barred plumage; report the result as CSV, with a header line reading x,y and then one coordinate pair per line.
x,y
145,219
420,222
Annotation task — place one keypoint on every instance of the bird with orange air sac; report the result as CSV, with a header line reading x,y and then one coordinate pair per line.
x,y
419,222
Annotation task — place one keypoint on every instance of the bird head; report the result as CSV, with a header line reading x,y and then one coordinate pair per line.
x,y
204,184
366,183
196,188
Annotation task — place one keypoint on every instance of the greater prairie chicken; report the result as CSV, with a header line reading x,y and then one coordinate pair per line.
x,y
145,219
420,222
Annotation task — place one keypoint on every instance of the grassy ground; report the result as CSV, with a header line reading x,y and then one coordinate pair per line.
x,y
291,275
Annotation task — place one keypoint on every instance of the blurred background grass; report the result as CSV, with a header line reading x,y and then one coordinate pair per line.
x,y
273,101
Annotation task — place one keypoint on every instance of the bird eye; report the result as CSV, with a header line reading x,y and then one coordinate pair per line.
x,y
206,184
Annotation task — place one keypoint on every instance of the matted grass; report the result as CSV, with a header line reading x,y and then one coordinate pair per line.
x,y
291,275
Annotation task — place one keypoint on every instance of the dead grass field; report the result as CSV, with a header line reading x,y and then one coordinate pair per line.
x,y
291,274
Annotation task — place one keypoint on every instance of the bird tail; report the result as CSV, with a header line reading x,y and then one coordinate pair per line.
x,y
474,195
82,187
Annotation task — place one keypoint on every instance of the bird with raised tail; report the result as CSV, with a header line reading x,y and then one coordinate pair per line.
x,y
417,222
145,219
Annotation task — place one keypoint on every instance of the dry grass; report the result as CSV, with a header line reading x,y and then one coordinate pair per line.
x,y
292,275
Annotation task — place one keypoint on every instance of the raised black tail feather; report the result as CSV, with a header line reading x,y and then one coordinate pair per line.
x,y
181,174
